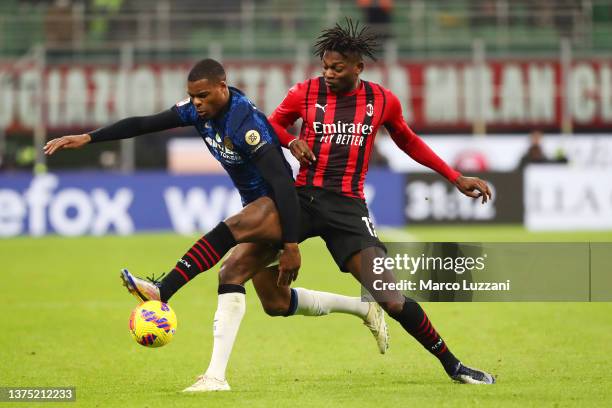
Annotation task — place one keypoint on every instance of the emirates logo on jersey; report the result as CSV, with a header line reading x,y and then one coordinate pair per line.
x,y
344,128
342,133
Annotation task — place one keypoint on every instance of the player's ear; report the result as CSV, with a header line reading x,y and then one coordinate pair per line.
x,y
359,67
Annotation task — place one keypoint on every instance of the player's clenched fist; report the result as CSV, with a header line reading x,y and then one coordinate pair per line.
x,y
66,142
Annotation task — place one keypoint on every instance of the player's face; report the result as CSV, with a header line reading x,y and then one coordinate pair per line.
x,y
208,97
341,72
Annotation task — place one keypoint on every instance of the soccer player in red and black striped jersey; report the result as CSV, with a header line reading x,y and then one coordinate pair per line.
x,y
341,114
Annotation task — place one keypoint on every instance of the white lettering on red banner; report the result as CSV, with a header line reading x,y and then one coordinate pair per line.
x,y
506,94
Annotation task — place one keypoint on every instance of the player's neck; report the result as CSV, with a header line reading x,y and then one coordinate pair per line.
x,y
225,107
356,86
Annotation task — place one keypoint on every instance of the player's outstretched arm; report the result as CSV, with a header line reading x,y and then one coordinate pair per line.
x,y
418,150
123,129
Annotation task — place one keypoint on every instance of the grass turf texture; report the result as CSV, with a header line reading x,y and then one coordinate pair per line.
x,y
65,318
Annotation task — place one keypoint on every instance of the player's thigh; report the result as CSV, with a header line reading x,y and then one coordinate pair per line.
x,y
275,300
256,222
310,218
244,261
348,229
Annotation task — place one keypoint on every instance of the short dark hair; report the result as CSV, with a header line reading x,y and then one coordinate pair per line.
x,y
351,39
207,69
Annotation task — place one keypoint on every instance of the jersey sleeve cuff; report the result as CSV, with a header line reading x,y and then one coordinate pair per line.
x,y
454,176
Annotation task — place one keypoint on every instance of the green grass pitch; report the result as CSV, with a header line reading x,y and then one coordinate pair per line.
x,y
65,317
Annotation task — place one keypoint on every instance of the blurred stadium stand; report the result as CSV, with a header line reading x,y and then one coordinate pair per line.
x,y
274,28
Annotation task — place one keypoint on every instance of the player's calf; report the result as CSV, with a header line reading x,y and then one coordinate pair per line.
x,y
307,302
234,273
415,321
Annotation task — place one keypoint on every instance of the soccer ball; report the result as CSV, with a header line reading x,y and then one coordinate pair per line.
x,y
153,324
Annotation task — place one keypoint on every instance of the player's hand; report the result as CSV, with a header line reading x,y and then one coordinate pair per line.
x,y
289,264
474,187
66,142
300,150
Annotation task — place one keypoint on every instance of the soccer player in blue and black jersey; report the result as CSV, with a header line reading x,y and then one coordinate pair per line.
x,y
240,137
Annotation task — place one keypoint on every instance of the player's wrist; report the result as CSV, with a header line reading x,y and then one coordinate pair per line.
x,y
292,140
457,178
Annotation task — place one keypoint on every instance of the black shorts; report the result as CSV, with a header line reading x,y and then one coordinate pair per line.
x,y
343,223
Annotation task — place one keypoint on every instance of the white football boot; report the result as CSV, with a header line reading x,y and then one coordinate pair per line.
x,y
206,384
468,375
142,290
375,321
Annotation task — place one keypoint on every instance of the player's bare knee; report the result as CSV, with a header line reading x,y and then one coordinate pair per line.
x,y
393,308
273,308
235,223
273,304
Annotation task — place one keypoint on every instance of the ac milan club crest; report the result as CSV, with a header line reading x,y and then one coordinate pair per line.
x,y
369,109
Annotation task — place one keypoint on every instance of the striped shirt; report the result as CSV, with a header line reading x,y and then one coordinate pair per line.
x,y
340,131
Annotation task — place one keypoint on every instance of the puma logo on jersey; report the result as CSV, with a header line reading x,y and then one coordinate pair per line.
x,y
322,107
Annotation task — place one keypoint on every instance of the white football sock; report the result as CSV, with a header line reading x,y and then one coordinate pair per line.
x,y
230,310
314,303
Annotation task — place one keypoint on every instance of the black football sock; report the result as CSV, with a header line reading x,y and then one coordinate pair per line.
x,y
202,256
415,321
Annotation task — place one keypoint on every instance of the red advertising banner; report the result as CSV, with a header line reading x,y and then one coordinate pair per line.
x,y
511,95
